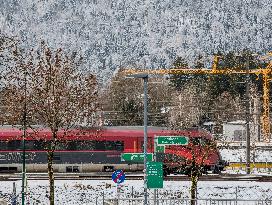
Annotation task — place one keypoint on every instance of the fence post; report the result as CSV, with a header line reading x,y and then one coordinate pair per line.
x,y
236,195
96,200
132,192
157,197
14,197
196,196
103,198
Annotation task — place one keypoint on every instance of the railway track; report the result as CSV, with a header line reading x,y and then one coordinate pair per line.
x,y
133,176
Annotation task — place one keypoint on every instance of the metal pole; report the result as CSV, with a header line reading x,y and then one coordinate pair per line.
x,y
23,172
155,159
14,198
247,120
24,136
145,139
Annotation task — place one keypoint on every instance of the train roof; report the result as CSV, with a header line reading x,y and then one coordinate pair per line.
x,y
113,131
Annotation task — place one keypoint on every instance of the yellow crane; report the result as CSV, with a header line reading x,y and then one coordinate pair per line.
x,y
265,72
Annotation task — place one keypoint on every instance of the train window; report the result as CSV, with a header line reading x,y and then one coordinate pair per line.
x,y
114,145
110,145
119,146
18,145
3,145
101,145
29,145
72,145
85,145
14,145
61,146
39,145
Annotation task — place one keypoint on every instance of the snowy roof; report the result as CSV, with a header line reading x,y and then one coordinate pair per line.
x,y
209,123
237,122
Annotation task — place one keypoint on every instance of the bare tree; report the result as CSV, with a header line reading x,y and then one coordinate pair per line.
x,y
125,101
8,59
59,96
227,107
190,105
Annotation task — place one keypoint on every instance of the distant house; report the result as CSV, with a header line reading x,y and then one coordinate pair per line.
x,y
236,131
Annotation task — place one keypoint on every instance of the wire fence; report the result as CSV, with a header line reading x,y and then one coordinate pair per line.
x,y
175,192
131,201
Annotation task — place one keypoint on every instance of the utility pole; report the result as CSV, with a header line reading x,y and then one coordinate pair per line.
x,y
24,137
247,118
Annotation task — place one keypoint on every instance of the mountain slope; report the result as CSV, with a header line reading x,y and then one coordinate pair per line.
x,y
140,33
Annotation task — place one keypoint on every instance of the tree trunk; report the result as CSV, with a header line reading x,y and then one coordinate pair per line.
x,y
50,154
194,180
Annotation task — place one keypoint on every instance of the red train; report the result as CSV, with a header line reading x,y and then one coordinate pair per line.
x,y
86,150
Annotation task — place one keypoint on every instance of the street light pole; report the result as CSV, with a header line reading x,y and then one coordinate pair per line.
x,y
145,139
145,78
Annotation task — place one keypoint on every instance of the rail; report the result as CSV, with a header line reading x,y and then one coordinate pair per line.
x,y
133,201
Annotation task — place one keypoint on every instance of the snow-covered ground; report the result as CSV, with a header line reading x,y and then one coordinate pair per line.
x,y
239,155
89,191
92,191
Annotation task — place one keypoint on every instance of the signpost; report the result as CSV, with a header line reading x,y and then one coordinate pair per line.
x,y
160,149
118,177
136,157
154,175
172,140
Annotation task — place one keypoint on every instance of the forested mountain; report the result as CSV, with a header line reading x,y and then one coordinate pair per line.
x,y
139,33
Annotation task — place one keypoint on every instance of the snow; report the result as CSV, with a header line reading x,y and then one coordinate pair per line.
x,y
86,191
239,155
149,34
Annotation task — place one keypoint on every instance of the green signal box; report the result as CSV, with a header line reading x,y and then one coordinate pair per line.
x,y
136,157
154,175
